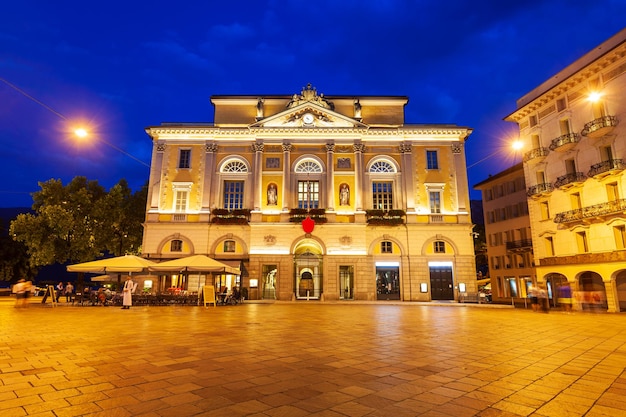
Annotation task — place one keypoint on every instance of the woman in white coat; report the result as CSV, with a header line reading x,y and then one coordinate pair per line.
x,y
127,293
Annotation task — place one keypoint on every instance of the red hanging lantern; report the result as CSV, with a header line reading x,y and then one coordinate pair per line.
x,y
308,225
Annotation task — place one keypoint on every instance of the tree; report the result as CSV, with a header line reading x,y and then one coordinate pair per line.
x,y
14,261
80,221
121,215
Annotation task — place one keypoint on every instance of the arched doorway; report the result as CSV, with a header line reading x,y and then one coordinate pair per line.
x,y
591,291
308,269
620,285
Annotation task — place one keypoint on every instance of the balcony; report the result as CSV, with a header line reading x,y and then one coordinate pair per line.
x,y
599,127
597,211
522,245
606,168
570,180
384,218
536,155
225,216
540,190
565,142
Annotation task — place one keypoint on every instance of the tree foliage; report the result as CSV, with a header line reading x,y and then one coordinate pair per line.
x,y
80,221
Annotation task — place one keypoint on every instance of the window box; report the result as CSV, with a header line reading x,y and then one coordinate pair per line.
x,y
224,216
377,217
296,215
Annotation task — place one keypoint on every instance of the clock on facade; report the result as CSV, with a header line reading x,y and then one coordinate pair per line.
x,y
307,119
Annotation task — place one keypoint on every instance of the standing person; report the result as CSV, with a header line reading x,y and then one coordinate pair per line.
x,y
69,291
565,297
127,299
533,291
59,290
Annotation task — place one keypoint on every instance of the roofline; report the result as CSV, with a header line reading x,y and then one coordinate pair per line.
x,y
517,167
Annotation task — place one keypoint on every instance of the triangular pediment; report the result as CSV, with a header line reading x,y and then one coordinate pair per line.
x,y
308,115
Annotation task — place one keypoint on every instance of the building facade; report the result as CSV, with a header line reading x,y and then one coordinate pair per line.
x,y
315,197
508,235
574,131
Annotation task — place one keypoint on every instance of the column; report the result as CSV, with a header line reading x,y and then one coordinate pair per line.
x,y
462,191
286,190
257,176
156,174
209,170
359,148
330,180
408,190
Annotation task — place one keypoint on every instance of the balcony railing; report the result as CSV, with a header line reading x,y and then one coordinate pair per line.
x,y
384,218
537,153
597,210
599,127
225,216
569,179
565,142
519,244
606,167
540,189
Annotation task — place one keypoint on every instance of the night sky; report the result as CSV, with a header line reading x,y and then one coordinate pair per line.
x,y
120,67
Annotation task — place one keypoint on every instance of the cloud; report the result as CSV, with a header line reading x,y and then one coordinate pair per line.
x,y
233,32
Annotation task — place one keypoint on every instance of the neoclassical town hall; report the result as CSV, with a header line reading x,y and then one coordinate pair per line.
x,y
314,197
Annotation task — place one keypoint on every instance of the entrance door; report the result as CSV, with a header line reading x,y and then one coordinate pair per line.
x,y
387,283
441,284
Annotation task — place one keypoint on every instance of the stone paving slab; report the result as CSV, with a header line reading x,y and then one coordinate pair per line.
x,y
309,359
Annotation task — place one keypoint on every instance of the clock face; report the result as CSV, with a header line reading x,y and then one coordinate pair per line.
x,y
307,118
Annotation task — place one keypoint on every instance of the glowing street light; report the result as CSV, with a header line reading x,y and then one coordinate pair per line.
x,y
80,132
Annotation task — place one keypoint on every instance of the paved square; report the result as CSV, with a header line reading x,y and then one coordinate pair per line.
x,y
302,359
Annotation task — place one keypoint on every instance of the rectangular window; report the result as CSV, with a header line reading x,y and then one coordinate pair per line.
x,y
382,195
184,158
440,247
308,194
549,246
176,245
386,247
612,192
545,210
435,201
581,241
575,200
620,237
229,246
233,195
431,160
181,201
565,126
561,104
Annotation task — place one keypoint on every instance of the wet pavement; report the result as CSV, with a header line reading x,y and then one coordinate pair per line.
x,y
309,359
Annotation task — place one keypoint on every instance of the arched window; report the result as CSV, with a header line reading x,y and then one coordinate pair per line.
x,y
234,166
382,166
382,171
234,172
308,166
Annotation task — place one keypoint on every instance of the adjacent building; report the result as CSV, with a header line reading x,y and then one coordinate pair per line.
x,y
508,235
314,197
574,129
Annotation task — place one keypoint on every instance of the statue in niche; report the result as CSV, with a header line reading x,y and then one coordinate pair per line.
x,y
272,194
344,195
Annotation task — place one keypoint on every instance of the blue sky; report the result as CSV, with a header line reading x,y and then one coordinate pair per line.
x,y
123,66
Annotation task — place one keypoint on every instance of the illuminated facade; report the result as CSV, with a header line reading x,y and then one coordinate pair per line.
x,y
573,126
508,235
316,197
